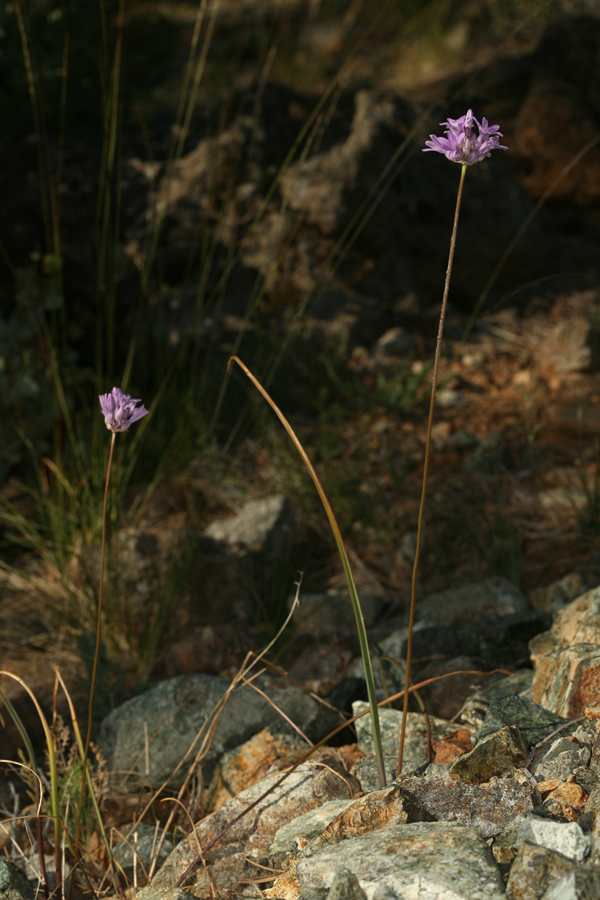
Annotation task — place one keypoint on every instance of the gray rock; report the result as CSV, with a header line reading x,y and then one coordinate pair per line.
x,y
367,773
379,809
175,710
565,838
13,884
486,807
261,525
534,722
446,697
248,841
395,342
497,755
422,860
585,734
390,720
579,884
345,886
292,836
332,612
496,638
494,596
33,874
560,760
151,892
535,870
139,559
556,596
447,398
140,843
477,704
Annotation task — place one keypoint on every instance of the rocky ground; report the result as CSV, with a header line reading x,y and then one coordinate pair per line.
x,y
324,272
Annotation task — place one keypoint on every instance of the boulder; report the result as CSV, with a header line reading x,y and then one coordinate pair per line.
x,y
167,719
419,860
244,848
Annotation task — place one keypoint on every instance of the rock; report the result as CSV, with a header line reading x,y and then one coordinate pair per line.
x,y
345,886
265,525
140,843
578,623
150,892
202,649
140,560
495,756
390,720
477,704
560,760
494,596
342,696
13,884
557,116
248,841
567,800
535,870
33,874
419,860
182,706
321,665
565,838
534,722
566,680
368,775
445,698
447,398
294,835
248,764
556,596
489,808
579,884
451,747
332,613
498,639
395,342
379,809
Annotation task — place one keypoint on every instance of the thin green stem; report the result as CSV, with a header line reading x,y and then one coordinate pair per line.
x,y
436,365
98,637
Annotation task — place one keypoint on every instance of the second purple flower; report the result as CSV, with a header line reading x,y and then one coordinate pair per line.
x,y
462,144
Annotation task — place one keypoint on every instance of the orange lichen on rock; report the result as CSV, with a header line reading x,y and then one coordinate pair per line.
x,y
451,747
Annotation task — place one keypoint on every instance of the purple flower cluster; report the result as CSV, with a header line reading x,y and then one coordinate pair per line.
x,y
461,144
120,410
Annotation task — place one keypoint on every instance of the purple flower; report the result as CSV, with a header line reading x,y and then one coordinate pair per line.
x,y
461,144
120,410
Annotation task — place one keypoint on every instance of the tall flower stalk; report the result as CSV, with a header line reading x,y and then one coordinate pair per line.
x,y
119,411
460,145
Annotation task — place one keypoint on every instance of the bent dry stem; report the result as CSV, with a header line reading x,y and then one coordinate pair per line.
x,y
360,623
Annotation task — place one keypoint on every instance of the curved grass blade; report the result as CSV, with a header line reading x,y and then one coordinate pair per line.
x,y
360,623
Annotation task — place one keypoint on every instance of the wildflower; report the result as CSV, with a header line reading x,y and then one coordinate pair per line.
x,y
120,410
461,144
